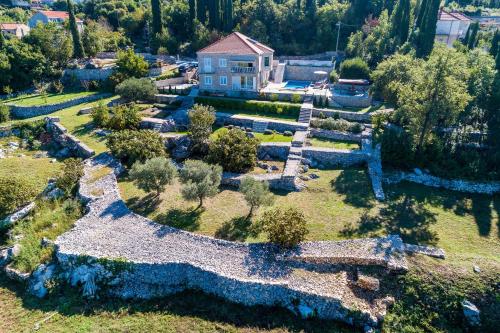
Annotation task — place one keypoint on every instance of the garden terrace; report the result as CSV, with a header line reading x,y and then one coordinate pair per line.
x,y
163,258
37,99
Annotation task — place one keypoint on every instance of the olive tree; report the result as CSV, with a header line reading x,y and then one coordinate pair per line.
x,y
285,227
256,193
153,175
234,150
201,120
200,180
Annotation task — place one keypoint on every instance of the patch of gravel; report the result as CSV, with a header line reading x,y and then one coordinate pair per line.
x,y
110,230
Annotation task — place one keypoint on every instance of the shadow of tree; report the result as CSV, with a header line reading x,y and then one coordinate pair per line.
x,y
496,206
481,210
188,220
404,216
145,205
237,229
355,185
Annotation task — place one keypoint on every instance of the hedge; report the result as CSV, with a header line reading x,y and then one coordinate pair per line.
x,y
250,105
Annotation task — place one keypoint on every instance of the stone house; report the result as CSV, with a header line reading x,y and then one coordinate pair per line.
x,y
234,65
46,16
14,29
451,26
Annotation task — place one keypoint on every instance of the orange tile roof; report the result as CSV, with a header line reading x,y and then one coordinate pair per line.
x,y
56,14
12,26
236,43
452,16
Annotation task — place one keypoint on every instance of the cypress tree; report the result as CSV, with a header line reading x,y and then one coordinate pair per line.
x,y
298,4
400,21
421,12
471,43
495,43
156,13
427,31
192,10
78,51
201,11
228,15
2,40
467,37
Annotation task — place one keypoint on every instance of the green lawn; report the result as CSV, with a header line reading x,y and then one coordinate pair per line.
x,y
35,99
340,205
78,125
261,136
337,144
361,110
37,170
260,114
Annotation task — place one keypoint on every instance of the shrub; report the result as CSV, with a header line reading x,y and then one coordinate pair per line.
x,y
100,115
153,175
4,113
334,77
251,105
256,193
134,89
285,227
71,174
356,128
355,68
296,98
234,150
287,133
31,130
201,180
15,192
131,146
201,120
124,117
337,125
274,97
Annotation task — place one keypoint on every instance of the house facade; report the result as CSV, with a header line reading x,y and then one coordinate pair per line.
x,y
233,65
451,26
18,30
46,16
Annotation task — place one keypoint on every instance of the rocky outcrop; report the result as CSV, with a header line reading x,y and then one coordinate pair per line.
x,y
69,142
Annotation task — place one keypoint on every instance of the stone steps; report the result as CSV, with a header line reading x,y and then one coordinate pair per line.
x,y
305,116
299,138
259,126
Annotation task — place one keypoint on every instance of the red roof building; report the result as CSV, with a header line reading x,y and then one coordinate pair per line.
x,y
451,26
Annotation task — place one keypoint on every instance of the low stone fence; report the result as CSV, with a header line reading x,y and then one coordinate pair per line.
x,y
273,151
165,98
87,74
450,184
60,135
23,112
353,101
338,135
329,157
347,115
247,121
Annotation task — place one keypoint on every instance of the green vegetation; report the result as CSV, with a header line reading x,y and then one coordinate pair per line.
x,y
71,174
256,193
128,65
337,144
153,175
233,150
4,113
131,146
337,125
201,121
33,100
15,193
134,89
200,180
285,227
355,68
253,107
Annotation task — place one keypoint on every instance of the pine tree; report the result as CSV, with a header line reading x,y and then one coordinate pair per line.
x,y
156,13
471,43
78,51
427,30
192,10
400,21
495,43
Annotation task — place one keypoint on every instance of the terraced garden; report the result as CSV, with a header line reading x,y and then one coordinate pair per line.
x,y
37,99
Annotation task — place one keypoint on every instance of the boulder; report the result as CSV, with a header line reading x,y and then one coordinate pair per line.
x,y
39,278
304,178
471,313
476,269
313,176
418,172
368,283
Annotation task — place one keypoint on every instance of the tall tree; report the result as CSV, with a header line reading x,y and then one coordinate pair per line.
x,y
228,15
156,13
192,10
400,21
421,11
78,51
201,10
495,43
427,30
474,28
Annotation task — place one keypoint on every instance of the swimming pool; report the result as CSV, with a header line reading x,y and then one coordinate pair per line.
x,y
297,84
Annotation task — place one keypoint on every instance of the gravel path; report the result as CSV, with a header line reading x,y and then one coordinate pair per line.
x,y
111,230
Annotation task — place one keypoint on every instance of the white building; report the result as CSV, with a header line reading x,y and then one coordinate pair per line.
x,y
14,29
46,16
451,26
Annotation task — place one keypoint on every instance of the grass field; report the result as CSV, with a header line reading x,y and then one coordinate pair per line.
x,y
260,114
78,125
35,99
37,170
340,205
327,143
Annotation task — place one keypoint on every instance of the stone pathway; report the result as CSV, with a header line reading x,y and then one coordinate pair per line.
x,y
167,260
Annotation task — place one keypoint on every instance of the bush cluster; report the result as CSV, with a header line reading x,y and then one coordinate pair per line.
x,y
337,125
131,146
4,113
31,132
355,68
134,89
71,174
118,118
285,227
15,192
249,105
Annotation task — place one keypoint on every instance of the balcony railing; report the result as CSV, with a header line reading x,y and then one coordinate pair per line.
x,y
244,70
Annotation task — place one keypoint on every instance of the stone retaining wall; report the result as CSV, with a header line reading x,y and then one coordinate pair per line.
x,y
433,181
329,157
305,72
23,112
87,74
247,121
353,101
347,115
60,135
273,151
338,135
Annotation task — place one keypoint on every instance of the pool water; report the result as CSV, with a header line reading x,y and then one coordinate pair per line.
x,y
297,84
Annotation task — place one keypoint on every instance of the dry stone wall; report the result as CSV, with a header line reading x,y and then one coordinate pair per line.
x,y
60,135
329,157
